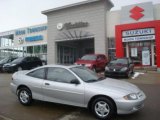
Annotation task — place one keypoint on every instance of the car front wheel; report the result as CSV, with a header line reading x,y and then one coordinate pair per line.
x,y
103,108
25,96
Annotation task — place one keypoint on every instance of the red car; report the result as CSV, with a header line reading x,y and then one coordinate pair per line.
x,y
95,62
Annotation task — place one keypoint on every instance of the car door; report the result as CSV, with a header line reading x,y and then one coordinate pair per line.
x,y
104,61
100,62
26,63
58,88
35,80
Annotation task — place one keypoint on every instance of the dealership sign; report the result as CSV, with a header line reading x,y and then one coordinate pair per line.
x,y
138,32
34,38
138,35
30,30
70,25
139,38
137,13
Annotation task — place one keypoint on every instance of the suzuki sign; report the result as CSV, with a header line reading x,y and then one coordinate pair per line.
x,y
137,13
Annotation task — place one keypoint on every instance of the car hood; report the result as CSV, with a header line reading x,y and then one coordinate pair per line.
x,y
115,86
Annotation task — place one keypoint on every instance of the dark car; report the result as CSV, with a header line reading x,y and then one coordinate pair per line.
x,y
94,62
4,61
22,63
120,67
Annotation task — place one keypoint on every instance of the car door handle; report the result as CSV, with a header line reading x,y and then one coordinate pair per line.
x,y
47,84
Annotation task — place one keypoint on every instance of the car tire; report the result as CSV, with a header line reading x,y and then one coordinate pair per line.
x,y
103,108
25,96
19,69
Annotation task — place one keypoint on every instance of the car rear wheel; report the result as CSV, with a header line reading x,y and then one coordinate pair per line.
x,y
103,108
25,96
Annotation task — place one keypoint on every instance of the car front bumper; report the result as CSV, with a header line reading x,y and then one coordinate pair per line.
x,y
116,73
130,106
13,88
9,69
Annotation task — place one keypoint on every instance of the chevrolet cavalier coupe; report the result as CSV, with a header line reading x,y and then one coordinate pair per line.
x,y
78,86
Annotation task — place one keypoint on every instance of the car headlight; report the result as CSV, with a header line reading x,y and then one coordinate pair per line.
x,y
132,96
13,65
106,68
124,69
88,65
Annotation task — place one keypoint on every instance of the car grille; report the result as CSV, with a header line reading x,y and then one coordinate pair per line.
x,y
139,106
140,95
114,70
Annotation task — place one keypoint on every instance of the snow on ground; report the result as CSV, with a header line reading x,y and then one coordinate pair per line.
x,y
136,74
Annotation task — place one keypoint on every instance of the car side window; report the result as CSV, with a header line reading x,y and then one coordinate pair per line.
x,y
27,59
60,75
99,58
104,57
40,73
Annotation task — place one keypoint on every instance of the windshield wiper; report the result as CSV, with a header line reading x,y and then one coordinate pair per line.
x,y
101,78
92,80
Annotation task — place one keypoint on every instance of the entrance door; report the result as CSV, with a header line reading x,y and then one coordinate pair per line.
x,y
66,55
137,51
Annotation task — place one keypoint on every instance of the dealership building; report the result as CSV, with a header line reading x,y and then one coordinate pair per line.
x,y
90,27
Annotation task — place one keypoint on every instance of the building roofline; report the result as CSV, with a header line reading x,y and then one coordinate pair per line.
x,y
72,5
19,28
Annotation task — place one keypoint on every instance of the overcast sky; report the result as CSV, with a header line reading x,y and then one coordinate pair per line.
x,y
21,13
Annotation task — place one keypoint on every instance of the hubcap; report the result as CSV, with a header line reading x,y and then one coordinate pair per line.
x,y
24,97
102,109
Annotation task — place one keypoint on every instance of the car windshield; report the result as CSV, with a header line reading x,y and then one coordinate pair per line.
x,y
17,60
119,61
4,60
89,57
86,74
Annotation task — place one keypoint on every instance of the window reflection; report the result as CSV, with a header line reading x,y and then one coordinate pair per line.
x,y
39,51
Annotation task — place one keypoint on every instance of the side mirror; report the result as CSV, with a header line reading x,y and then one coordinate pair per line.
x,y
75,81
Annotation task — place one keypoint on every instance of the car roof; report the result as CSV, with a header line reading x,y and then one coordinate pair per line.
x,y
61,66
95,54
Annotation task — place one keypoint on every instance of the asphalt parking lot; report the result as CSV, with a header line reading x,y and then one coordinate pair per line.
x,y
11,109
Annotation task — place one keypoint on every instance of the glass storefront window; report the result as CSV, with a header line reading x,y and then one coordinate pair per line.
x,y
136,49
111,48
39,51
44,48
6,41
30,50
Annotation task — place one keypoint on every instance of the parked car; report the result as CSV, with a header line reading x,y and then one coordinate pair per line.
x,y
4,61
77,86
123,67
22,63
95,62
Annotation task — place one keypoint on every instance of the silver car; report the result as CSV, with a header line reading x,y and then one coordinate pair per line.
x,y
77,86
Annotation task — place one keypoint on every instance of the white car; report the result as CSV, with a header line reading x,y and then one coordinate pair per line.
x,y
77,86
